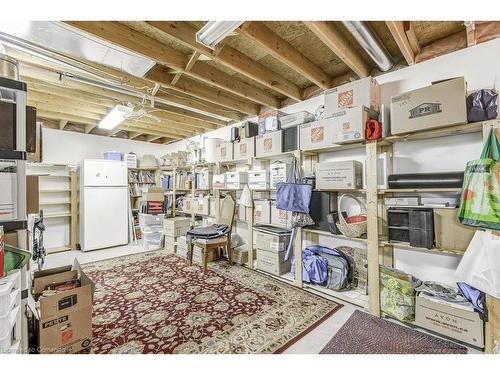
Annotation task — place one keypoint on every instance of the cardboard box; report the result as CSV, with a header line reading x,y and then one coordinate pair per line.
x,y
262,211
187,204
269,144
201,205
244,149
271,242
363,92
317,134
240,255
155,194
64,323
273,262
258,180
174,223
198,255
236,180
219,181
449,233
349,124
278,173
450,319
224,151
439,105
339,175
280,218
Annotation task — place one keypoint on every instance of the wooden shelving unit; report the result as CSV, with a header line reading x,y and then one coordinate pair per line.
x,y
57,195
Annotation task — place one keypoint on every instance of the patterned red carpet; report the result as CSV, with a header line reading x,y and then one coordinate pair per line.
x,y
157,303
367,334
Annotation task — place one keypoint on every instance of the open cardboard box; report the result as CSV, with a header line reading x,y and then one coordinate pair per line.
x,y
63,323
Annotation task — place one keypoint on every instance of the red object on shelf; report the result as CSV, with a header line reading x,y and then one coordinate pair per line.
x,y
355,219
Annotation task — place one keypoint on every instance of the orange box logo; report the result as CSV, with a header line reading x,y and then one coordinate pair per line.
x,y
318,134
66,335
268,144
346,125
345,99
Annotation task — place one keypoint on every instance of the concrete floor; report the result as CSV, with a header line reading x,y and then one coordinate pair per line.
x,y
311,343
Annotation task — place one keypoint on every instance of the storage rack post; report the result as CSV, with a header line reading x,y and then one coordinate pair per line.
x,y
73,209
372,228
297,249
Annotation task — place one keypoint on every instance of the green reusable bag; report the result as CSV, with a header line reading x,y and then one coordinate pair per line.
x,y
480,198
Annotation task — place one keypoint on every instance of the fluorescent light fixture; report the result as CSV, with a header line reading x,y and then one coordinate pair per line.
x,y
215,31
115,117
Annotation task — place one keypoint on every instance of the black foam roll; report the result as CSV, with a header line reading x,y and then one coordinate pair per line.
x,y
426,180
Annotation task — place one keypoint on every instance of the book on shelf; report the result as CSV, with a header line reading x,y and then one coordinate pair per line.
x,y
144,177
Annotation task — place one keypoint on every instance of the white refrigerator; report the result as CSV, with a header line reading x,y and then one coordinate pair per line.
x,y
103,204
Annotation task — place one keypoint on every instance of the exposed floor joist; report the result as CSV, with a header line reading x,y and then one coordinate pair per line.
x,y
192,60
398,32
334,40
113,32
231,58
285,52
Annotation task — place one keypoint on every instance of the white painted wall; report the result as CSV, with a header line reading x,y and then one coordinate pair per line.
x,y
480,70
65,147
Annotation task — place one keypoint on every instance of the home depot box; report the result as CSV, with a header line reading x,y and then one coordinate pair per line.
x,y
258,180
262,211
64,320
363,92
349,124
224,151
219,181
339,175
317,134
272,262
450,319
244,149
280,218
187,204
441,104
269,144
236,180
278,173
449,233
201,205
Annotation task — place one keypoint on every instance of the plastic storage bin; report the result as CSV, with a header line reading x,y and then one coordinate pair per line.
x,y
149,220
151,240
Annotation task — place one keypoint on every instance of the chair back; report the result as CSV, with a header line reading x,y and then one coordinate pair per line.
x,y
227,211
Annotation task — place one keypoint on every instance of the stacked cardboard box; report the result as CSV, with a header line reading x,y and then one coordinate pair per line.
x,y
174,228
63,309
271,249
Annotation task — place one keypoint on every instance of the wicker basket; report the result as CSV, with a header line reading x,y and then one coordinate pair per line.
x,y
352,229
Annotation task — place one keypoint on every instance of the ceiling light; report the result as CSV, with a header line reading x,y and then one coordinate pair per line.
x,y
215,31
115,117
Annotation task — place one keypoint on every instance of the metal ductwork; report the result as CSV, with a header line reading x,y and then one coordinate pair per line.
x,y
370,43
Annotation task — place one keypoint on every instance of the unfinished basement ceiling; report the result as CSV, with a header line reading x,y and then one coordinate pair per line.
x,y
207,89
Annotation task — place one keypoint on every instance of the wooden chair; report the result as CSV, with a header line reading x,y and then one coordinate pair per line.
x,y
214,244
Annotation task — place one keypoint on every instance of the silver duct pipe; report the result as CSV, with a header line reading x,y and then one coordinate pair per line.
x,y
88,78
368,40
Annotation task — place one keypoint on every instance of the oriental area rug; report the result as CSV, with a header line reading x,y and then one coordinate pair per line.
x,y
367,334
156,303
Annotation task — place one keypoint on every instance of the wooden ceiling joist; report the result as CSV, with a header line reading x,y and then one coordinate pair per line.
x,y
285,52
62,124
133,135
189,87
397,30
130,39
113,32
151,138
470,30
231,58
45,80
412,37
192,60
334,40
65,116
